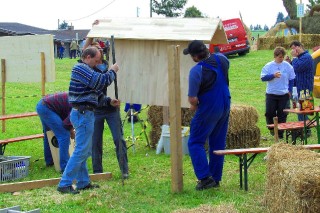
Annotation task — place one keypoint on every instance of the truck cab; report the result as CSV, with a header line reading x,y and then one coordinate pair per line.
x,y
237,39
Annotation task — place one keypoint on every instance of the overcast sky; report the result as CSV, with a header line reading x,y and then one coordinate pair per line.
x,y
81,14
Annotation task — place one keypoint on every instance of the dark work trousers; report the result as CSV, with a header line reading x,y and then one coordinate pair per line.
x,y
275,104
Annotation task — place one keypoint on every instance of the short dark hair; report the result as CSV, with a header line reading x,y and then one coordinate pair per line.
x,y
296,43
279,51
91,50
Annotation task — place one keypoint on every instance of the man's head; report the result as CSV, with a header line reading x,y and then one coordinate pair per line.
x,y
197,49
91,56
297,47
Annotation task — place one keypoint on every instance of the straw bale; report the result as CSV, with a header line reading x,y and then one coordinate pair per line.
x,y
245,138
155,118
223,208
242,130
293,179
242,117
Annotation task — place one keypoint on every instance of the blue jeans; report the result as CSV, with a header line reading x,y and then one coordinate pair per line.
x,y
114,122
51,121
76,168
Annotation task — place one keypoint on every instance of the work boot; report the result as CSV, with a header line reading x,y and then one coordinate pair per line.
x,y
89,186
67,190
207,183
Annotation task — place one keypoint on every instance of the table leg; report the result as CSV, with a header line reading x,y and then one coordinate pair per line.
x,y
305,129
318,127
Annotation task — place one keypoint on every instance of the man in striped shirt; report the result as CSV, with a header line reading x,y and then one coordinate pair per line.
x,y
85,95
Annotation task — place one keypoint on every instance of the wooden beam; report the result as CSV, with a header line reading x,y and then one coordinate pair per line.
x,y
36,184
43,74
175,118
3,91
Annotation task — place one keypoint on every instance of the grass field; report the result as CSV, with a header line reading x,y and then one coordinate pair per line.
x,y
149,187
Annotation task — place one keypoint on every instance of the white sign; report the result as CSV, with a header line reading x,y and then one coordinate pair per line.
x,y
300,10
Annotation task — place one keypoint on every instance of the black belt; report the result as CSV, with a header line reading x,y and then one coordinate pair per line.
x,y
83,108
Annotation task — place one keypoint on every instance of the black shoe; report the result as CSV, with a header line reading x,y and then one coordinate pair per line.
x,y
49,164
125,176
67,190
90,186
206,184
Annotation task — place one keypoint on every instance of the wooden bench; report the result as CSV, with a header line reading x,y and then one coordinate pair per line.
x,y
22,115
245,160
4,142
294,129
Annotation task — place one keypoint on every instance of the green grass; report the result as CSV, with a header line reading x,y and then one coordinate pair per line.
x,y
149,187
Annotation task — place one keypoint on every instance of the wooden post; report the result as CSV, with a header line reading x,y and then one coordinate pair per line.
x,y
175,118
3,93
165,115
43,74
275,129
300,25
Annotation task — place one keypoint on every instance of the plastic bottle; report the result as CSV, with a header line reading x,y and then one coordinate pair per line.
x,y
294,98
302,99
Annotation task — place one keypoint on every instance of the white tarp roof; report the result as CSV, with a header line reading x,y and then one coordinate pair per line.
x,y
209,30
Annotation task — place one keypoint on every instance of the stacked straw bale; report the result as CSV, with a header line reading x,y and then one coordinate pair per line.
x,y
155,118
293,179
242,132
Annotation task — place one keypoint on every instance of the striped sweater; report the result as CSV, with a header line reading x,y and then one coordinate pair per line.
x,y
86,85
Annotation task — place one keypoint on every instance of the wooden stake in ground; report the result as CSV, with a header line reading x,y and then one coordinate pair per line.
x,y
175,118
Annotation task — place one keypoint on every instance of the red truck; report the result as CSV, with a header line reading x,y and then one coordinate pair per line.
x,y
237,38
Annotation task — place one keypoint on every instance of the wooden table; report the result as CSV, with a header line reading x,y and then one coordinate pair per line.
x,y
308,123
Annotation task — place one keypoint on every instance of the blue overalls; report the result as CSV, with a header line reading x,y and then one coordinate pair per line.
x,y
210,121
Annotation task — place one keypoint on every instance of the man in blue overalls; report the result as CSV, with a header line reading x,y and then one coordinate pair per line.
x,y
209,96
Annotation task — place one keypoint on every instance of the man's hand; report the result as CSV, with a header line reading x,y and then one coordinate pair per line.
x,y
114,67
72,133
115,103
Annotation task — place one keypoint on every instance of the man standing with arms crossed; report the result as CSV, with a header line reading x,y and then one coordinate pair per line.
x,y
84,97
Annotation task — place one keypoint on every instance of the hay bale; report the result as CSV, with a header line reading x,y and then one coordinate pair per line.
x,y
223,208
246,138
155,118
242,117
293,179
242,130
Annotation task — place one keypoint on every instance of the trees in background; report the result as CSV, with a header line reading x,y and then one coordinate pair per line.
x,y
310,21
168,8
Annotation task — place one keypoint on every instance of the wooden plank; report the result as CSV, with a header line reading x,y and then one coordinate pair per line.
x,y
29,67
291,125
3,91
170,29
21,115
276,129
35,184
149,76
241,151
257,150
175,118
22,138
